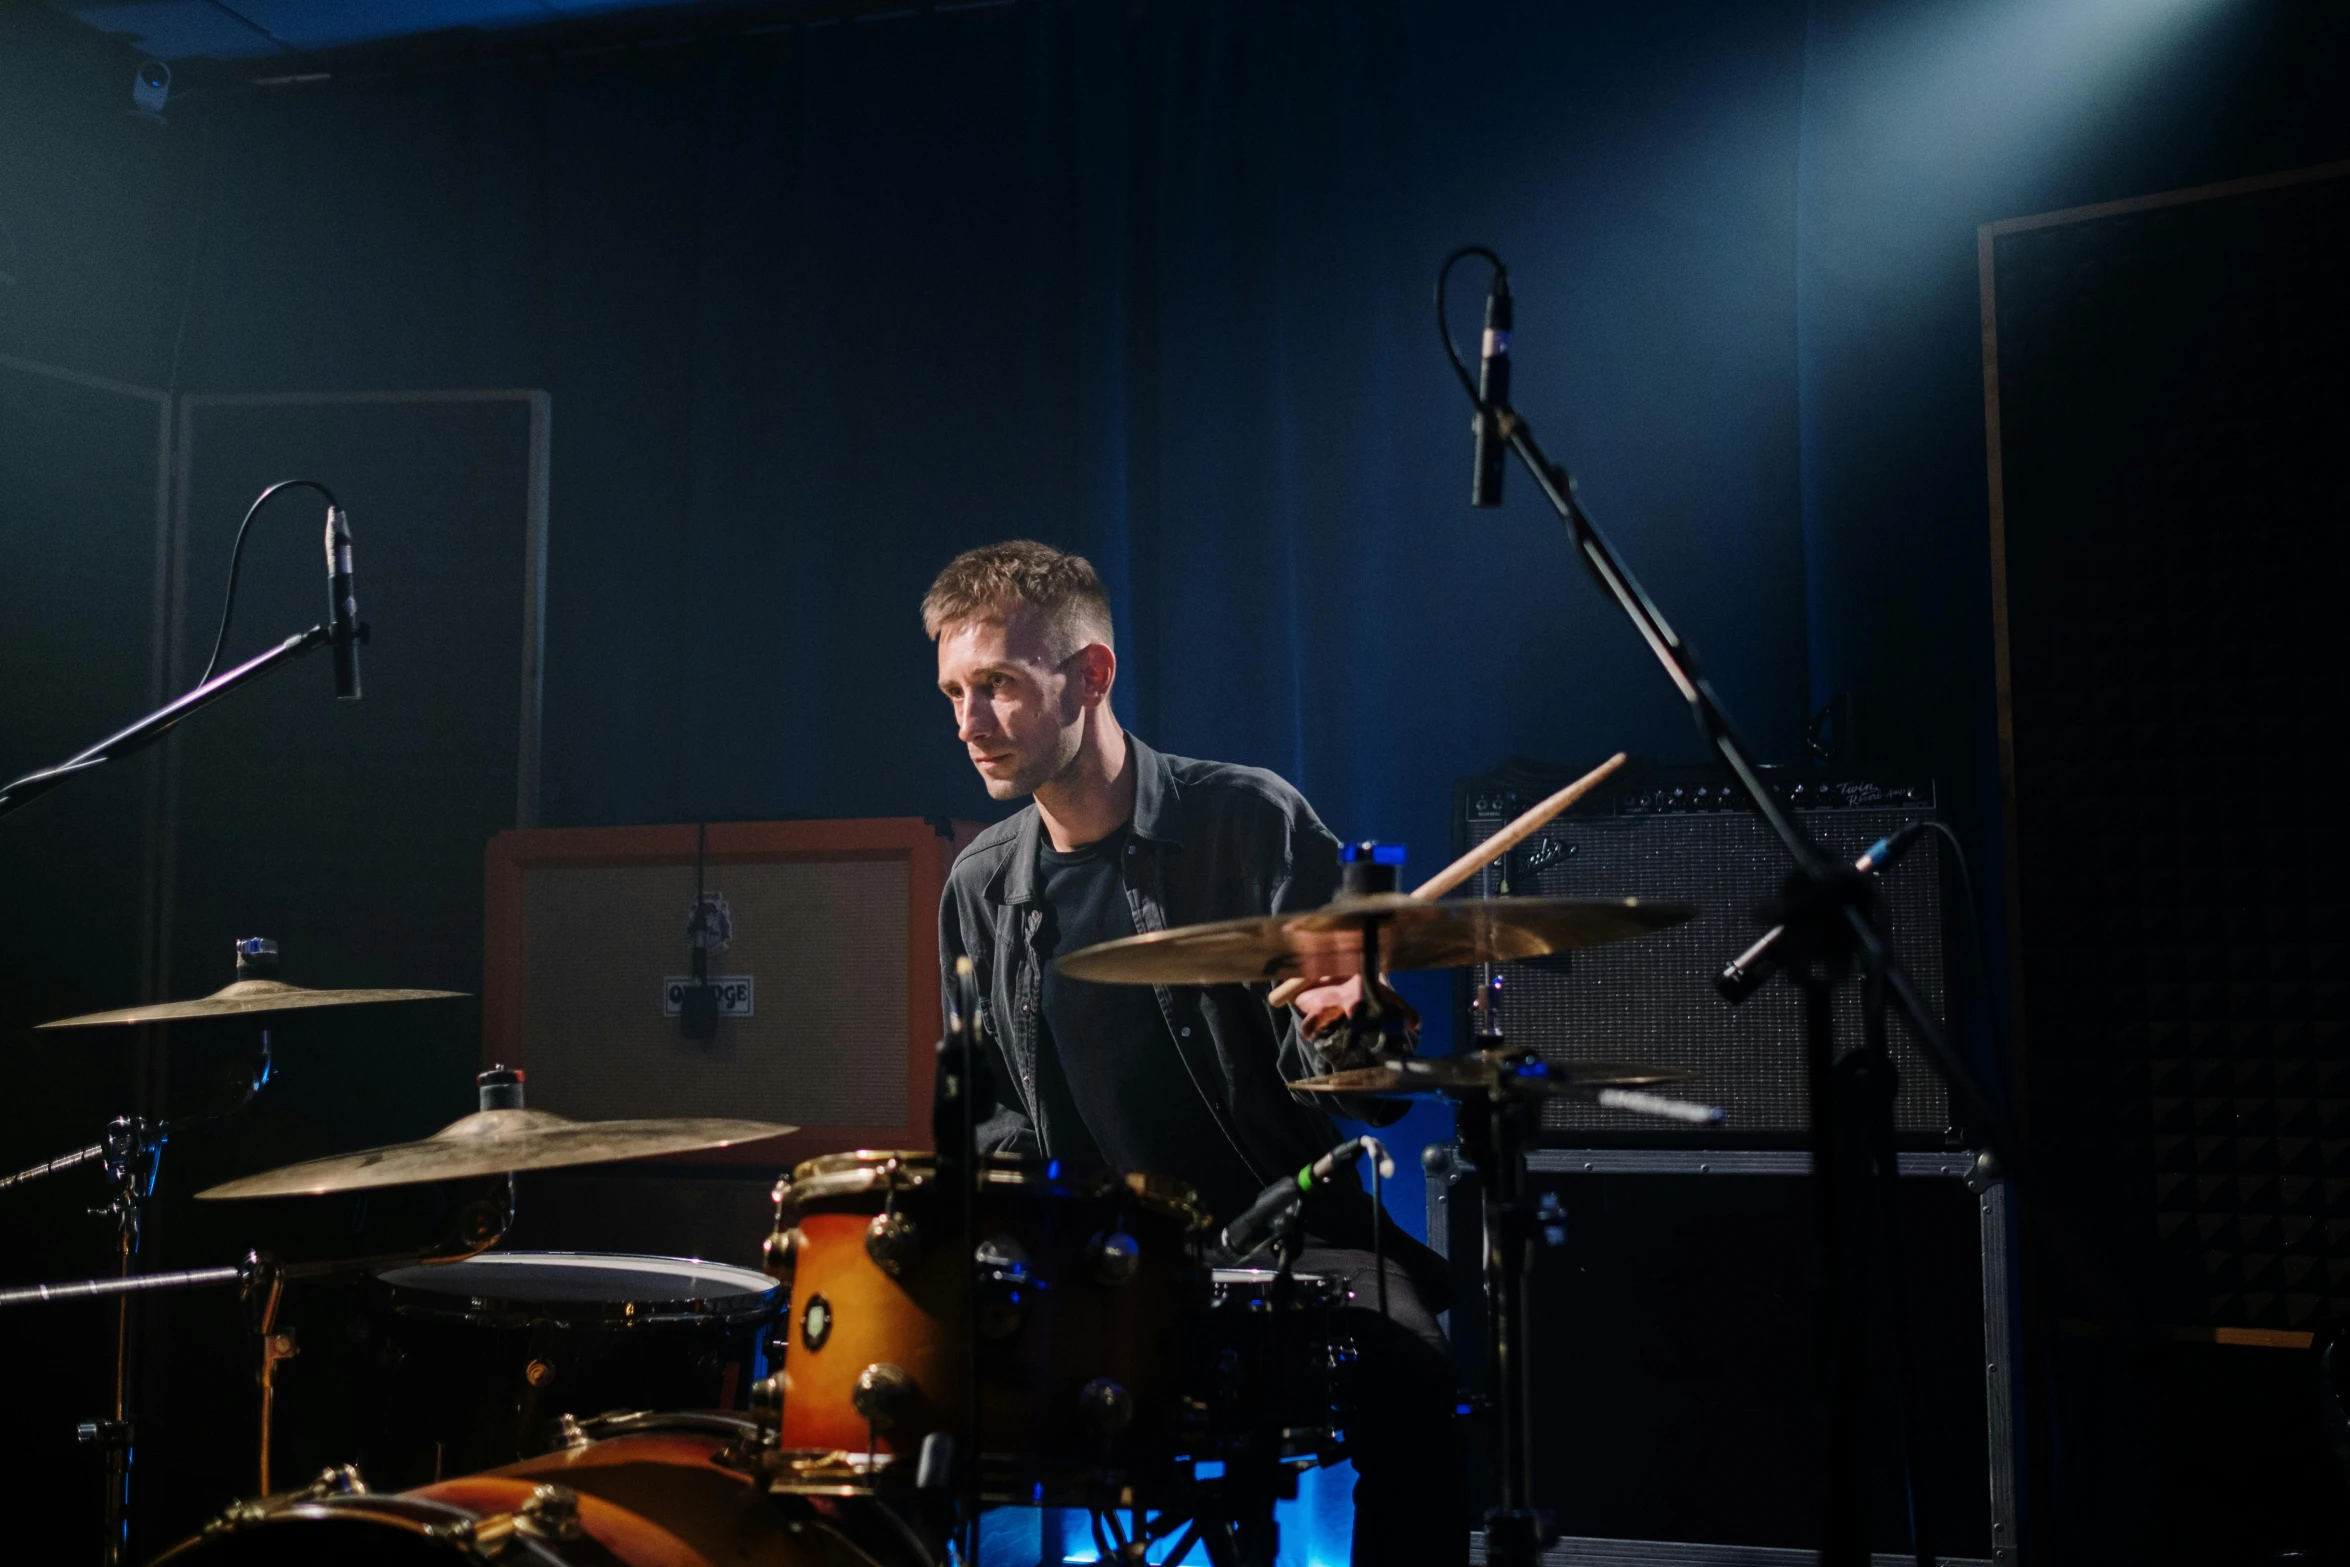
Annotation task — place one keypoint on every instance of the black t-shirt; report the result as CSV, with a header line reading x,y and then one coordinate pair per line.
x,y
1115,1093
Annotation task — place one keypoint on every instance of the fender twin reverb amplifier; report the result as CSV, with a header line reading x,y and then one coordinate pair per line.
x,y
1683,834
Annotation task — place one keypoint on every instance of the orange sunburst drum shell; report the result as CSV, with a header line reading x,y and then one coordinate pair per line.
x,y
655,1499
1073,1329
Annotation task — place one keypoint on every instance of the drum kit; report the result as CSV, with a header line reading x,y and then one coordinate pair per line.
x,y
1083,1343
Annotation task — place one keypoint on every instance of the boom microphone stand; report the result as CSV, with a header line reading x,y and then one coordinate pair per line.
x,y
1829,912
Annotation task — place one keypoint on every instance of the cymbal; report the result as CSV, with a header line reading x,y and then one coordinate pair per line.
x,y
1473,1074
248,995
494,1142
1414,933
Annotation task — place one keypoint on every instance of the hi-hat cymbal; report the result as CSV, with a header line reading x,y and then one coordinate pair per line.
x,y
1454,1076
495,1142
1413,933
248,995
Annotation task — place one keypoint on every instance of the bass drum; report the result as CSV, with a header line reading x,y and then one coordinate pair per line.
x,y
666,1494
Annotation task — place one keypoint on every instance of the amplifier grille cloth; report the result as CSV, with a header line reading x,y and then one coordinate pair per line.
x,y
824,941
1652,1000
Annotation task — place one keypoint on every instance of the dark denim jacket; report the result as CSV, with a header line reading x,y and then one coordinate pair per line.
x,y
1210,841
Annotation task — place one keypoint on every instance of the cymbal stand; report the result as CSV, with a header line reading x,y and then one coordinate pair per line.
x,y
131,1155
1494,1129
481,1224
1828,907
961,1090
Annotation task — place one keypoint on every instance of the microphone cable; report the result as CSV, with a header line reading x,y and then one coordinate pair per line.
x,y
1460,368
236,559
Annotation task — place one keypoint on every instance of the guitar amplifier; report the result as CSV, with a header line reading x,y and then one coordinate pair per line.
x,y
1685,835
820,953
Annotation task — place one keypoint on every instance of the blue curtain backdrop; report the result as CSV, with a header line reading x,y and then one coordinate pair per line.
x,y
824,304
822,307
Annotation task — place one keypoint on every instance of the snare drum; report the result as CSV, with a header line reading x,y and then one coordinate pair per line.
x,y
1269,1373
1081,1283
469,1363
680,1491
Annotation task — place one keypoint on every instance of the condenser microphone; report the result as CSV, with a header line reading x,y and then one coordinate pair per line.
x,y
1493,394
342,608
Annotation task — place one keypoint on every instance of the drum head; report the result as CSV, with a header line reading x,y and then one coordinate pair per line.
x,y
594,1285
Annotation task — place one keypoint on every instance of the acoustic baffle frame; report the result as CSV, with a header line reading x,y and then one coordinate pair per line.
x,y
172,571
147,1063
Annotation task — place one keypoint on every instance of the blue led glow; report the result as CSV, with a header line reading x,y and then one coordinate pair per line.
x,y
1316,1529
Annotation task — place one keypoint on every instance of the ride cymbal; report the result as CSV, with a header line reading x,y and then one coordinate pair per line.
x,y
248,995
1414,933
496,1142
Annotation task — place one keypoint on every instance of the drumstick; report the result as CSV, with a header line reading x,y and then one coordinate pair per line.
x,y
1482,855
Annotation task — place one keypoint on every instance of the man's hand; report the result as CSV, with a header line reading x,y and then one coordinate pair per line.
x,y
1340,1024
1331,1001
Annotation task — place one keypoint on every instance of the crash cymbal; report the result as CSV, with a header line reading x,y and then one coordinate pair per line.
x,y
1413,933
494,1142
248,995
1453,1076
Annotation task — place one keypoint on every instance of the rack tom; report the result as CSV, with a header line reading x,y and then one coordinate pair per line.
x,y
1081,1286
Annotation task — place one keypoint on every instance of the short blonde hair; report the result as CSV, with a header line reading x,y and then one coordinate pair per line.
x,y
994,579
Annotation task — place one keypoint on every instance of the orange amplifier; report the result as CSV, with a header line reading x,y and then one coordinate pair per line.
x,y
820,953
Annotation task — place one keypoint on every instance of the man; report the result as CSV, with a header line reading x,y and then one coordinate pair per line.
x,y
1187,1081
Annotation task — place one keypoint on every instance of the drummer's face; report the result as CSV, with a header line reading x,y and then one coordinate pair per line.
x,y
1019,715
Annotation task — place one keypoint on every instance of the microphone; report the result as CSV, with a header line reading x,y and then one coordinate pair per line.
x,y
1493,392
1744,974
342,609
1277,1202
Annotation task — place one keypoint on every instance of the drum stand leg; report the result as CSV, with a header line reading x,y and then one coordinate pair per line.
x,y
263,1294
132,1149
1495,1129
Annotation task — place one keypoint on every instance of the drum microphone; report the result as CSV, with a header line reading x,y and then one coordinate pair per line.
x,y
343,622
1278,1201
1744,974
1493,392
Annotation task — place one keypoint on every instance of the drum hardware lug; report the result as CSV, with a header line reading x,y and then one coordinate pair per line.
x,y
1109,1408
779,1255
767,1404
893,1241
1116,1258
339,1480
1003,1283
336,1480
550,1513
570,1434
883,1396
